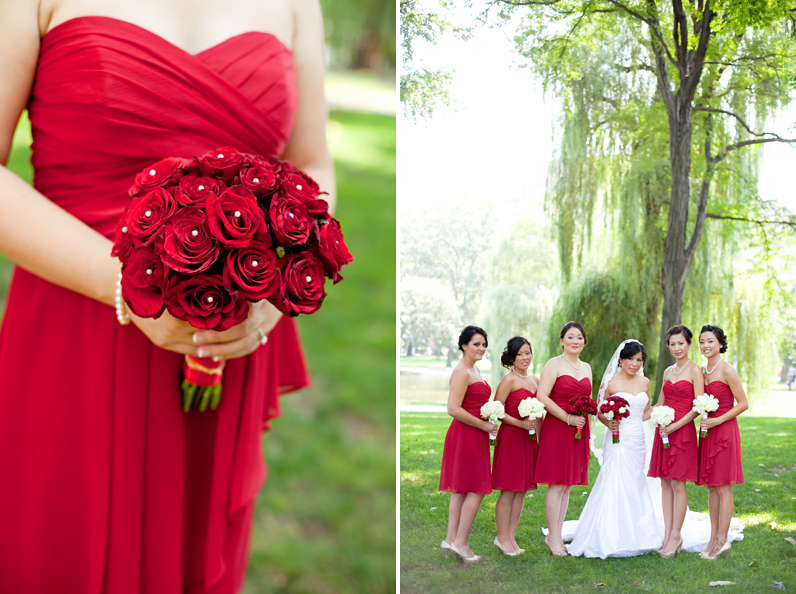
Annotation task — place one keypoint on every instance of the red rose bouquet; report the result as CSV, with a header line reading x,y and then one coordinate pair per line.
x,y
582,405
615,408
203,237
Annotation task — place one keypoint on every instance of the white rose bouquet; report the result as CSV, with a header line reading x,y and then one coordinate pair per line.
x,y
703,404
493,411
533,409
663,416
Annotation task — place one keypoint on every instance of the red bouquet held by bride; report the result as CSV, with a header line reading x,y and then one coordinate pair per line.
x,y
615,408
581,405
203,237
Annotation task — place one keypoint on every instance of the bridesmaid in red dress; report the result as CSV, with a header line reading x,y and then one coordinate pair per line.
x,y
563,460
465,456
515,452
108,487
720,452
675,465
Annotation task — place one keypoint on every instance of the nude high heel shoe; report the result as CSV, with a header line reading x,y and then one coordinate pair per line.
x,y
504,551
473,559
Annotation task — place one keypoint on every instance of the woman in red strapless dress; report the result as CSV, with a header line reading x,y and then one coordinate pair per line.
x,y
675,465
515,451
465,456
563,461
720,452
108,487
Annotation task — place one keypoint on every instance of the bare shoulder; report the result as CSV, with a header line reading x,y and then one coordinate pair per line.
x,y
459,375
307,14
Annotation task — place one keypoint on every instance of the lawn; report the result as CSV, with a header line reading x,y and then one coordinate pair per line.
x,y
326,518
764,556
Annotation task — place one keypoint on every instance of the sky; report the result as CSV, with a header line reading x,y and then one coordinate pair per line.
x,y
496,142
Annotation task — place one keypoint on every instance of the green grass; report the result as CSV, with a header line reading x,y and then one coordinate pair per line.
x,y
325,519
762,557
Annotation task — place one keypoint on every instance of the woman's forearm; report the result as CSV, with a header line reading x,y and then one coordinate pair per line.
x,y
47,241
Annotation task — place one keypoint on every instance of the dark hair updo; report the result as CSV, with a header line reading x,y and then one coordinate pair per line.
x,y
467,335
718,333
569,325
512,350
633,348
679,329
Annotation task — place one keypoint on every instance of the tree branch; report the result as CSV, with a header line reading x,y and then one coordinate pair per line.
x,y
652,23
746,220
743,123
738,145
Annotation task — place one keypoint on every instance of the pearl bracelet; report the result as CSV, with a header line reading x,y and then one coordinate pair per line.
x,y
123,318
568,419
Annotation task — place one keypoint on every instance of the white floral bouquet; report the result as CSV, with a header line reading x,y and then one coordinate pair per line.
x,y
704,404
663,416
493,411
533,409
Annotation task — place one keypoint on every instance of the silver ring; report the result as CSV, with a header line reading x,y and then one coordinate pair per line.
x,y
261,336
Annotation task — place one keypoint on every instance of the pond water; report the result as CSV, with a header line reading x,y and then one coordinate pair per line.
x,y
424,388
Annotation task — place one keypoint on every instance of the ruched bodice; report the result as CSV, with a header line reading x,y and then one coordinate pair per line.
x,y
514,461
679,461
566,387
513,401
680,396
475,397
723,393
129,494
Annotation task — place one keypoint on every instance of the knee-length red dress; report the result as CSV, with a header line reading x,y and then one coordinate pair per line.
x,y
562,459
515,452
465,455
107,486
679,461
720,452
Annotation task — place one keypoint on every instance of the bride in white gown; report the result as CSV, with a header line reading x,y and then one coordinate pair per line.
x,y
623,516
619,518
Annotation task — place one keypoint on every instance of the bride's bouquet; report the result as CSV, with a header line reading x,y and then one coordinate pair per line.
x,y
663,416
533,409
617,408
704,404
582,405
493,411
204,237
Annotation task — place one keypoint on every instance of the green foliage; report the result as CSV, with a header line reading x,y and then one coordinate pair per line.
x,y
429,314
361,33
761,557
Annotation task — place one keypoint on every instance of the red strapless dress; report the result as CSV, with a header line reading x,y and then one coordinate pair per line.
x,y
720,451
465,456
564,460
515,452
108,487
679,461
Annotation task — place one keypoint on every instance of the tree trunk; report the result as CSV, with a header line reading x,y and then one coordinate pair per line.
x,y
408,349
449,362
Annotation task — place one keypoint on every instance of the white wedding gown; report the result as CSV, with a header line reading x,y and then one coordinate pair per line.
x,y
616,521
619,518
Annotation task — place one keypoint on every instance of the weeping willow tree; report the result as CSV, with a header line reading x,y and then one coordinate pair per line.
x,y
665,104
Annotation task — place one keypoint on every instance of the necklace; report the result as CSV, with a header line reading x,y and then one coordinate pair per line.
x,y
571,363
714,367
522,376
675,368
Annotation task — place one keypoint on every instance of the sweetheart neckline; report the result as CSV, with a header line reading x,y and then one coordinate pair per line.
x,y
678,381
163,39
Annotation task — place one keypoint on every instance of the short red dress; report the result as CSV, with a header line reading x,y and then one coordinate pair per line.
x,y
679,461
465,456
564,460
720,452
515,452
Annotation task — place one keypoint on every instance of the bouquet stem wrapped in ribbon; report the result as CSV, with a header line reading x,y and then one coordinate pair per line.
x,y
615,407
663,416
581,405
533,409
493,411
704,404
202,238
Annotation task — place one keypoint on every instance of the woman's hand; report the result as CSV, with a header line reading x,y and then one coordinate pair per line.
x,y
490,428
613,425
240,340
528,424
709,423
167,332
576,420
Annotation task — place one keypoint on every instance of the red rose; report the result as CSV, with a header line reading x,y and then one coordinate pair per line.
x,y
291,222
159,174
122,240
188,246
205,303
260,179
253,272
302,284
194,190
303,188
224,162
147,214
332,250
143,283
234,218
